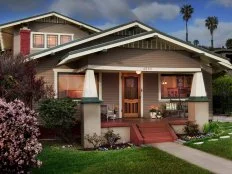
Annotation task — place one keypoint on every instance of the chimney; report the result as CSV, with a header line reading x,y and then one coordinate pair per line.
x,y
25,35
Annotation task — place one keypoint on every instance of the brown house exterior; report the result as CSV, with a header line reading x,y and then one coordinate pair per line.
x,y
130,67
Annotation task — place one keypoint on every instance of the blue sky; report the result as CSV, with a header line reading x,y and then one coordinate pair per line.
x,y
161,14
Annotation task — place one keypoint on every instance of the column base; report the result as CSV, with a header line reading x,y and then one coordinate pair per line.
x,y
91,122
198,112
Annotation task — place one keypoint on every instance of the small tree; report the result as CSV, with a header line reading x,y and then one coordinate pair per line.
x,y
196,42
59,113
18,80
19,133
229,43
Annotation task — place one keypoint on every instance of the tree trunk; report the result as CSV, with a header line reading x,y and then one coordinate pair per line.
x,y
186,25
212,41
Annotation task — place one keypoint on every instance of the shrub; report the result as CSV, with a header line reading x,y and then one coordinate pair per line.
x,y
59,113
191,129
95,140
111,137
19,145
211,127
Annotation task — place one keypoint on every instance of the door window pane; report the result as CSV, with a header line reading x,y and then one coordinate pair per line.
x,y
52,40
131,88
38,40
65,39
175,86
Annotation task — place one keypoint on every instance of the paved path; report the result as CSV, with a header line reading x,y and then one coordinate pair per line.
x,y
221,118
204,160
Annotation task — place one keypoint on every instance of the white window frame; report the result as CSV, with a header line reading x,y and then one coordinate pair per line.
x,y
46,39
159,87
56,72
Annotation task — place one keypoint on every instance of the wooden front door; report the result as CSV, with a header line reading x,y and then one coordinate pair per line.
x,y
130,95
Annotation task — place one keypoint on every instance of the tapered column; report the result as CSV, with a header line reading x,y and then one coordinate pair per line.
x,y
198,105
91,116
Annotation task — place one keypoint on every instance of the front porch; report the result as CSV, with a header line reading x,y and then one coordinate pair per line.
x,y
144,131
133,125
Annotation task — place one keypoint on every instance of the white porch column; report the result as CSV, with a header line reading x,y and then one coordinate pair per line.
x,y
198,106
91,116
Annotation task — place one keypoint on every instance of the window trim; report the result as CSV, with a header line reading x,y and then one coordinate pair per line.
x,y
32,40
46,38
159,87
57,42
63,34
56,71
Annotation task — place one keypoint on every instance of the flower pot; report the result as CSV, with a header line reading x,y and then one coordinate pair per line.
x,y
153,114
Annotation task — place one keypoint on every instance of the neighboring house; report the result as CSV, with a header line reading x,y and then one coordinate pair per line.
x,y
225,53
131,66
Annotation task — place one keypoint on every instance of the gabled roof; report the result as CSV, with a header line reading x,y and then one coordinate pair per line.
x,y
17,22
90,38
73,55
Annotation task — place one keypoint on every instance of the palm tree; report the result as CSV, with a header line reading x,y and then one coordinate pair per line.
x,y
196,42
187,11
211,23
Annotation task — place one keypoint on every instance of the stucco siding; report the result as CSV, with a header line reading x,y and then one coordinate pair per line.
x,y
150,91
144,58
110,88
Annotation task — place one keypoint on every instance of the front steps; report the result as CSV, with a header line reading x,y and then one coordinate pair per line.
x,y
156,132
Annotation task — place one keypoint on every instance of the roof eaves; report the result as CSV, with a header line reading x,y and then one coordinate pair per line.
x,y
45,14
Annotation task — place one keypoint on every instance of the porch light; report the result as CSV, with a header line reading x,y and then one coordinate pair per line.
x,y
164,83
138,72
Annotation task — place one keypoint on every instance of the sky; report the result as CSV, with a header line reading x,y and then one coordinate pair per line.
x,y
163,15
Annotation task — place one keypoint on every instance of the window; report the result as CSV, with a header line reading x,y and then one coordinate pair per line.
x,y
65,38
175,86
49,40
70,85
38,40
52,40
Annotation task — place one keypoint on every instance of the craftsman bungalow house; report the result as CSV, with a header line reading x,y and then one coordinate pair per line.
x,y
131,66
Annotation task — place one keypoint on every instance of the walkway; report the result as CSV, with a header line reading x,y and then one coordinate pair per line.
x,y
221,118
204,160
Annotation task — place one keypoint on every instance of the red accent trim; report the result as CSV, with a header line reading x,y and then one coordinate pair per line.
x,y
25,35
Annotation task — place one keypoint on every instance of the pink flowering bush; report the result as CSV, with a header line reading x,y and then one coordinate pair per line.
x,y
19,133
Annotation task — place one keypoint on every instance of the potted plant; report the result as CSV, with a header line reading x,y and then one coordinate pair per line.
x,y
153,111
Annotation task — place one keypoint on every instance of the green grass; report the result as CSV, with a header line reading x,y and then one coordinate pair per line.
x,y
222,147
137,160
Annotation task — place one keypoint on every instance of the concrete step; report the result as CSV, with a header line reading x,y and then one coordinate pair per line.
x,y
153,130
157,140
151,125
157,134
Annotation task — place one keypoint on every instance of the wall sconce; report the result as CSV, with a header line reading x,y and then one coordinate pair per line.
x,y
138,72
164,83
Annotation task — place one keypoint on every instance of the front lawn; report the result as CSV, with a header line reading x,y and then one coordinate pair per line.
x,y
137,160
222,147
